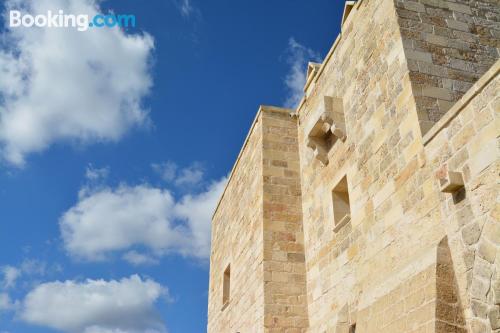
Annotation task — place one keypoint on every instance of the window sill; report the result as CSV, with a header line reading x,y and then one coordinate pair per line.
x,y
342,223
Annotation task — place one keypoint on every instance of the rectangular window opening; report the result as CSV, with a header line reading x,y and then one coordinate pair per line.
x,y
226,286
341,204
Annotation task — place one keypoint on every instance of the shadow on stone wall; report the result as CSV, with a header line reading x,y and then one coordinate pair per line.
x,y
449,310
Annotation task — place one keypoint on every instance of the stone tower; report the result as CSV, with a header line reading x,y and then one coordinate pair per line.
x,y
374,206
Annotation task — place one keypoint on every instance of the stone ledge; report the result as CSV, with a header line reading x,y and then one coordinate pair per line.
x,y
463,102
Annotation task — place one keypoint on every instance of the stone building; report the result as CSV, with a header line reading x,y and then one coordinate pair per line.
x,y
375,205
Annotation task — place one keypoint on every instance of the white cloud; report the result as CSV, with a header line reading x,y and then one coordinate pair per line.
x,y
96,329
27,268
136,258
10,276
109,220
186,7
196,211
96,174
166,170
96,306
6,304
181,177
190,176
61,85
38,267
297,58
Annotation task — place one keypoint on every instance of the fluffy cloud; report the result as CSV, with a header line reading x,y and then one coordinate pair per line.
x,y
28,268
96,306
106,221
297,58
96,174
6,304
181,177
10,275
190,176
58,84
137,258
185,7
196,211
166,170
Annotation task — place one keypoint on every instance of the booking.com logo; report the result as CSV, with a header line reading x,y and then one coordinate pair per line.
x,y
61,20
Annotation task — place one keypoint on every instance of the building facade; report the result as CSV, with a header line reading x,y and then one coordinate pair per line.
x,y
375,205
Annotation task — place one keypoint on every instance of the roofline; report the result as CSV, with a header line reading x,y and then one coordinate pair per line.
x,y
329,54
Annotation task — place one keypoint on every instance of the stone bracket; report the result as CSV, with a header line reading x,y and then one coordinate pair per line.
x,y
451,182
327,130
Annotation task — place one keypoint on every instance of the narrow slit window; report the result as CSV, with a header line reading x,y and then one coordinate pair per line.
x,y
226,287
341,204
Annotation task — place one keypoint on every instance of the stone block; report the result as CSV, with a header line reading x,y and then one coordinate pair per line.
x,y
457,25
494,317
451,182
479,289
471,233
414,6
458,7
487,251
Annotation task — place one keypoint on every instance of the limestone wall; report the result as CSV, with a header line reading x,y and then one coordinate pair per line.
x,y
449,45
406,256
237,241
385,264
466,140
284,262
390,238
257,230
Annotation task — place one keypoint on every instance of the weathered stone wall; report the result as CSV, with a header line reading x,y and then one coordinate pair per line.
x,y
390,234
410,258
397,214
237,240
257,229
449,45
284,263
466,140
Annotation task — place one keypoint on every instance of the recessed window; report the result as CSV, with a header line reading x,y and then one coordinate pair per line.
x,y
226,286
341,204
352,328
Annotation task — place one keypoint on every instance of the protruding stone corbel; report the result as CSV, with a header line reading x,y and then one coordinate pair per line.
x,y
310,143
326,129
321,154
338,133
451,182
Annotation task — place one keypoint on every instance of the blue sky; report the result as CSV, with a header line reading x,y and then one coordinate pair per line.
x,y
115,145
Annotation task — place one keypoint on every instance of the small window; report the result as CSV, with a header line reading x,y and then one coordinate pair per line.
x,y
352,329
226,287
341,205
